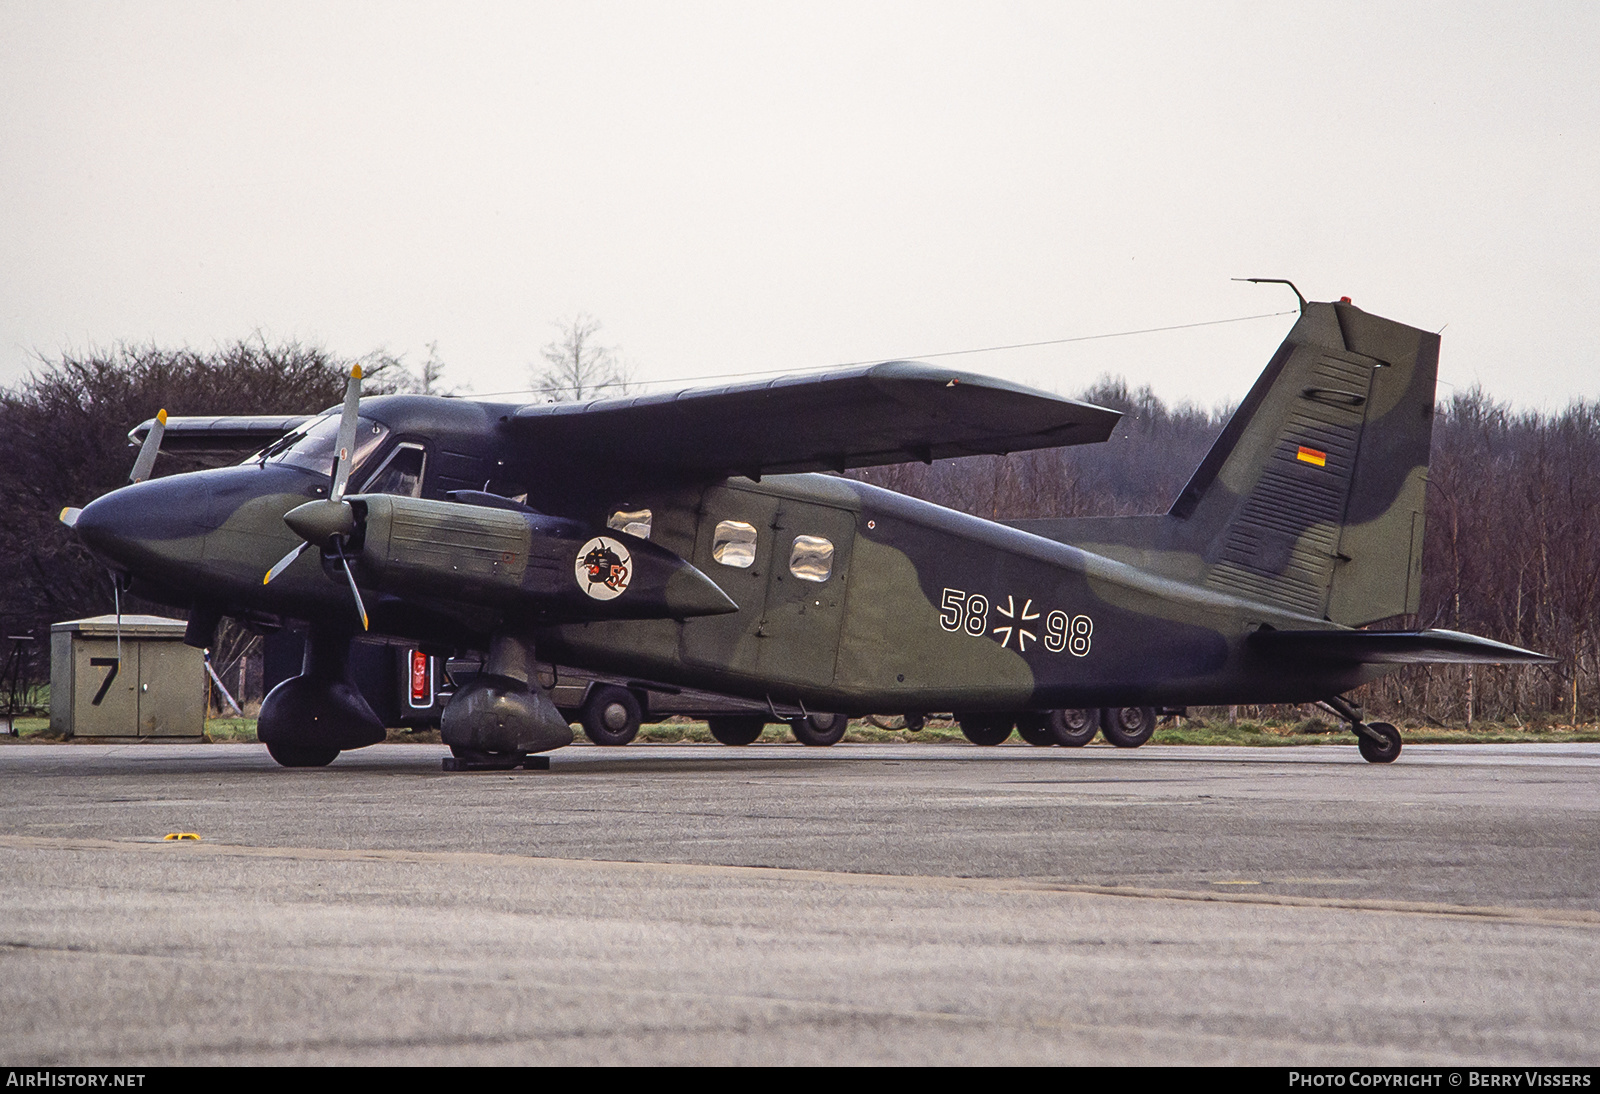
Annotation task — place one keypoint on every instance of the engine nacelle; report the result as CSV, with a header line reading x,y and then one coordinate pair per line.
x,y
559,569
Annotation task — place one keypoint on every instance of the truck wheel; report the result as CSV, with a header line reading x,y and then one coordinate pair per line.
x,y
736,729
302,755
1128,727
1034,728
1075,727
611,716
819,729
985,729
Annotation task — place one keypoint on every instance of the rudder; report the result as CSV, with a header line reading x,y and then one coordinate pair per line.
x,y
1312,498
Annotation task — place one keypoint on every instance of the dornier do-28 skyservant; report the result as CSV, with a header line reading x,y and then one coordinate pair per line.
x,y
688,538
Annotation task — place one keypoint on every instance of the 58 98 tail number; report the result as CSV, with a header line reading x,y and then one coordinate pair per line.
x,y
961,611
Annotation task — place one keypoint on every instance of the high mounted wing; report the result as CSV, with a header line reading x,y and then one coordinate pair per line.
x,y
222,439
889,413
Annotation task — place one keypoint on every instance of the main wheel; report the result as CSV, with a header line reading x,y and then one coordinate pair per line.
x,y
1375,753
611,716
1128,727
736,729
1075,727
985,729
820,729
302,755
1034,727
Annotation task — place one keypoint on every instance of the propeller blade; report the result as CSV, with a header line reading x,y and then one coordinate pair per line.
x,y
148,451
360,607
347,435
69,516
284,562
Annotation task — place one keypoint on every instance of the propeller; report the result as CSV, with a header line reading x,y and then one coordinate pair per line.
x,y
142,466
330,522
149,450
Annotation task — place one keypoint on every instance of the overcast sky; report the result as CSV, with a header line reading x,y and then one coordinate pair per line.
x,y
733,187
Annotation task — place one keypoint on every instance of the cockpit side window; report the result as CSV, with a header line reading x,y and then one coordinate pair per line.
x,y
314,445
400,474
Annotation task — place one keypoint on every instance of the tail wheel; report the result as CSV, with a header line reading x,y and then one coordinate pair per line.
x,y
611,716
302,755
736,729
1034,727
1075,727
1128,727
820,729
985,729
1375,752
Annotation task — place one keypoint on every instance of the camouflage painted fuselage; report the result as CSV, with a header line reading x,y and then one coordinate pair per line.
x,y
1306,516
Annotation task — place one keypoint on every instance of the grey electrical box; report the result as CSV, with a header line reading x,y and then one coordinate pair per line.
x,y
156,688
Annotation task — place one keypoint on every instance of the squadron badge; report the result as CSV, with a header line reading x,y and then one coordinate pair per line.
x,y
604,568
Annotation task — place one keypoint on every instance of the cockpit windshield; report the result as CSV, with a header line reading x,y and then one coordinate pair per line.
x,y
314,445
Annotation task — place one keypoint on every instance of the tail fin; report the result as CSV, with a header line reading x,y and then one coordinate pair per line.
x,y
1313,496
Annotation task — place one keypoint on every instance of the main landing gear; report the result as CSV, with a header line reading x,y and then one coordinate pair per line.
x,y
1379,742
495,722
309,719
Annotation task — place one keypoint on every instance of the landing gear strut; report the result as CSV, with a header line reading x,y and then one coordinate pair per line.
x,y
1379,742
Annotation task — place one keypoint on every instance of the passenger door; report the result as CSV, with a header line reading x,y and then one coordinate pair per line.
x,y
733,547
806,593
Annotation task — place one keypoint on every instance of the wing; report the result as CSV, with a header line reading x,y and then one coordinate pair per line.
x,y
1392,648
225,439
890,413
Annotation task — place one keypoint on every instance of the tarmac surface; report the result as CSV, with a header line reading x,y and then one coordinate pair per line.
x,y
780,904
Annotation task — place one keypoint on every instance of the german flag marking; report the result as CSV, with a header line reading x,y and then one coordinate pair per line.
x,y
1312,456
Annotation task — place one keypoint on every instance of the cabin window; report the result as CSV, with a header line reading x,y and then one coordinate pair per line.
x,y
400,474
735,544
635,522
811,559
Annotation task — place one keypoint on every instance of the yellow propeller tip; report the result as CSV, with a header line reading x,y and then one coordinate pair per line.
x,y
355,372
161,416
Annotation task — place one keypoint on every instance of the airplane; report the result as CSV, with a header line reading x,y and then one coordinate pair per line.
x,y
695,538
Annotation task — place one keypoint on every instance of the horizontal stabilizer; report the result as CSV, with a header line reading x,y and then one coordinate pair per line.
x,y
1392,648
228,437
889,413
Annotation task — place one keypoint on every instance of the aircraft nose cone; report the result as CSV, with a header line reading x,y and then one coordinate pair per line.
x,y
146,524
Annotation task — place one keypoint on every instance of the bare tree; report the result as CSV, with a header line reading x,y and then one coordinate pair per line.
x,y
577,367
432,372
428,379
